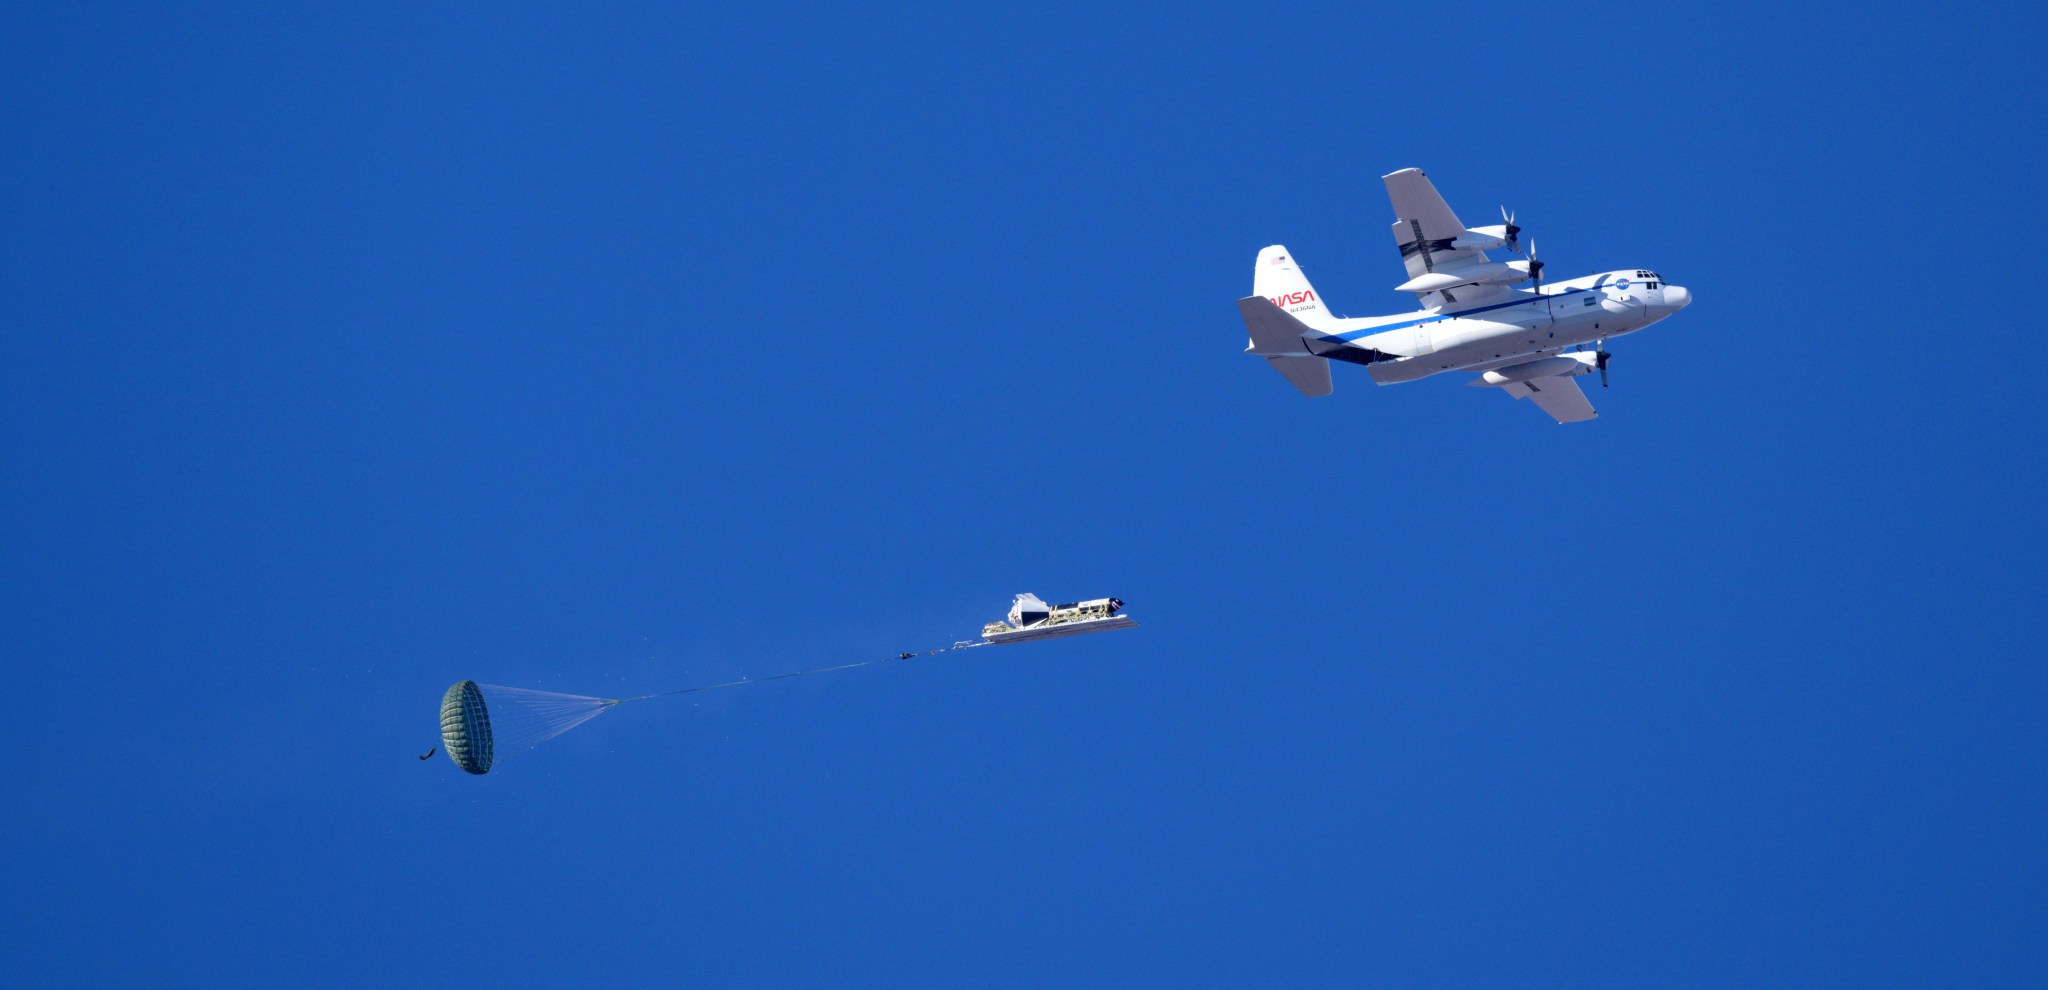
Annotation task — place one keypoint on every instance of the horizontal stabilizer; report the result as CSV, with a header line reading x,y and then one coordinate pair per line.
x,y
1275,333
1309,374
1277,337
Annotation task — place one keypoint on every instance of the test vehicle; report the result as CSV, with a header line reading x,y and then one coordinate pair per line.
x,y
1031,618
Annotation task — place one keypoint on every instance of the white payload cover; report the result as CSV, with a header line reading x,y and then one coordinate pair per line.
x,y
1032,619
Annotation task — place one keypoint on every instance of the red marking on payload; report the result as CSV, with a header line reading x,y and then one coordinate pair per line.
x,y
1293,298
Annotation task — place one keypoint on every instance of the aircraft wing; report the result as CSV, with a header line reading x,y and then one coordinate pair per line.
x,y
1426,226
1558,396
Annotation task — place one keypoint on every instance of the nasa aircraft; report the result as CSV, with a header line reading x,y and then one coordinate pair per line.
x,y
1527,342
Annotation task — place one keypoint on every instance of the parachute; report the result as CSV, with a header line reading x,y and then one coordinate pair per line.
x,y
466,727
480,720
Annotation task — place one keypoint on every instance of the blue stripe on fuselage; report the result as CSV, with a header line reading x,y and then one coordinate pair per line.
x,y
1351,335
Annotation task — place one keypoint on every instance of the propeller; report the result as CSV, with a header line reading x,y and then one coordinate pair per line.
x,y
1535,266
1514,242
1600,359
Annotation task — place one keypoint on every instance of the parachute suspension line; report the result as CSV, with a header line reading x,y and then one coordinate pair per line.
x,y
523,718
797,673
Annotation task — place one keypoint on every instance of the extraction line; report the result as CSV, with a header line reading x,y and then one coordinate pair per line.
x,y
609,702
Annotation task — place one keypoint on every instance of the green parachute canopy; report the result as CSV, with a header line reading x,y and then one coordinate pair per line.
x,y
466,727
480,722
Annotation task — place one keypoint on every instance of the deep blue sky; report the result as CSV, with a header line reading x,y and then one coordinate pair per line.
x,y
350,353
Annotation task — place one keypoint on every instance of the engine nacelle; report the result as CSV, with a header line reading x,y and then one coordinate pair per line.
x,y
1482,238
1484,274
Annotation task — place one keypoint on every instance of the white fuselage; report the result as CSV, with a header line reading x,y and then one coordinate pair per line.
x,y
1502,330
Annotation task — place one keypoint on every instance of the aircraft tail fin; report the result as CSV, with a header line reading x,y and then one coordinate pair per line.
x,y
1277,277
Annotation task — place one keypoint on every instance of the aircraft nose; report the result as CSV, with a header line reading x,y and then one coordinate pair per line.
x,y
1676,297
